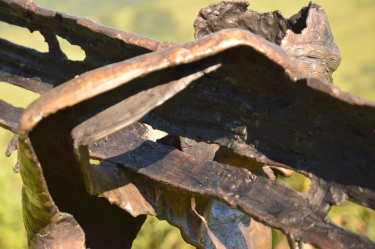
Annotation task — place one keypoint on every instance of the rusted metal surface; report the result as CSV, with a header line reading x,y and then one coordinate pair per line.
x,y
232,89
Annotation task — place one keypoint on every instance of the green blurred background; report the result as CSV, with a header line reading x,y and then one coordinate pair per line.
x,y
352,23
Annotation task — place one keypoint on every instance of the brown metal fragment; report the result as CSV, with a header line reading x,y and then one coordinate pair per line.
x,y
262,112
257,196
259,103
268,201
306,36
9,116
272,26
41,72
12,146
313,47
234,228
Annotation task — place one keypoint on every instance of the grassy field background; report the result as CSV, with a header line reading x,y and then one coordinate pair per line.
x,y
352,23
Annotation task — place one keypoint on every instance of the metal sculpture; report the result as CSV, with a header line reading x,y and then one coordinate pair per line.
x,y
231,94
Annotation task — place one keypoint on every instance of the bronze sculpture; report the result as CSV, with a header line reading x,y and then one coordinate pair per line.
x,y
140,176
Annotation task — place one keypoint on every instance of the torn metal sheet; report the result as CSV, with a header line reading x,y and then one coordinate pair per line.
x,y
232,89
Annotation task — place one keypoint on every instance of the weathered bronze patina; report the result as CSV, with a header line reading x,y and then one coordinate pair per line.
x,y
306,36
229,91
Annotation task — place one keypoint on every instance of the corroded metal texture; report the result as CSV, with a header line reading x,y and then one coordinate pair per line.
x,y
313,47
258,197
232,89
272,26
42,71
306,36
232,227
9,116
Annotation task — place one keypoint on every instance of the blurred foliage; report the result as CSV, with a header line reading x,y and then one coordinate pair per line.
x,y
162,19
157,234
12,232
170,20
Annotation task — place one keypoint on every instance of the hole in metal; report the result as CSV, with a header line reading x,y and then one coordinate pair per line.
x,y
154,134
280,241
16,96
73,52
354,217
297,181
159,234
22,36
94,161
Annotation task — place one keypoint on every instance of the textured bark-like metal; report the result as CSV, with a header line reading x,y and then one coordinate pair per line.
x,y
313,46
306,36
40,72
233,228
232,88
138,195
272,26
241,188
9,116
